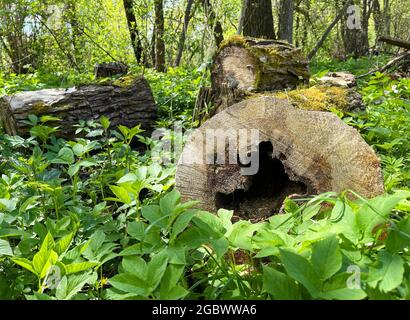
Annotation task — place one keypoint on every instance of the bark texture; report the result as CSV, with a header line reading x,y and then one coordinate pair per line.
x,y
244,65
258,19
285,31
302,152
127,101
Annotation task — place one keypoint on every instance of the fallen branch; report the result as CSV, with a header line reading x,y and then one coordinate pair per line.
x,y
386,66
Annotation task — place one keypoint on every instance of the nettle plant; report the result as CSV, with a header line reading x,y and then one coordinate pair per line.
x,y
92,218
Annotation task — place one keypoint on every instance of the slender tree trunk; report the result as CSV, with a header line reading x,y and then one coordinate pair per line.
x,y
133,28
182,37
213,22
285,31
386,17
326,33
258,19
159,35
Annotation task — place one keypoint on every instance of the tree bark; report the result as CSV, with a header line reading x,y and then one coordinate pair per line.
x,y
245,65
297,151
285,31
181,43
213,22
258,19
127,101
133,28
159,37
395,42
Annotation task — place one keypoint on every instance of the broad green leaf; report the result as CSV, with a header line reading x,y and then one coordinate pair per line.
x,y
389,273
241,234
43,260
8,205
129,283
156,269
169,202
5,249
169,290
209,224
135,265
399,236
326,257
181,223
122,194
64,243
279,285
337,288
301,270
80,266
25,263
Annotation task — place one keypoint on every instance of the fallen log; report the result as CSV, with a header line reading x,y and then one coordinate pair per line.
x,y
302,152
127,101
244,65
395,42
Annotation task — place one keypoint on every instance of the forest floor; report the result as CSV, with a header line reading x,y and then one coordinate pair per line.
x,y
92,218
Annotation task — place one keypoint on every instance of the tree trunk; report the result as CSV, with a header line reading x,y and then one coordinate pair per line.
x,y
182,37
159,41
258,19
245,65
127,101
295,152
326,33
213,22
133,28
286,20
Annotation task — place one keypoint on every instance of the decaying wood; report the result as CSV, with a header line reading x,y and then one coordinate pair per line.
x,y
395,42
127,101
244,65
299,152
109,69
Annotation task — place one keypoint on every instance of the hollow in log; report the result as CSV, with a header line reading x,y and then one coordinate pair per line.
x,y
297,152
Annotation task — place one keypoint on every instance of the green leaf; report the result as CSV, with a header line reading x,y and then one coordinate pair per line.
x,y
326,257
129,283
71,285
399,236
181,223
210,224
169,202
64,243
5,249
169,289
301,270
80,266
389,272
241,234
279,285
43,260
25,263
336,288
122,194
105,122
135,265
8,205
65,156
48,243
156,269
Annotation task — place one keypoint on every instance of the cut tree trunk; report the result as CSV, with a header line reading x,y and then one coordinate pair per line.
x,y
246,65
298,152
127,101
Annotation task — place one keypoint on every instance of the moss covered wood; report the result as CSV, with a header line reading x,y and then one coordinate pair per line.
x,y
127,101
243,65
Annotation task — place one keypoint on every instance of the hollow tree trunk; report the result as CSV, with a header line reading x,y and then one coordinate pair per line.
x,y
127,101
244,65
295,152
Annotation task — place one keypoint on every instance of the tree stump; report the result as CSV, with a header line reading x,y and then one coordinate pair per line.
x,y
127,101
298,151
244,65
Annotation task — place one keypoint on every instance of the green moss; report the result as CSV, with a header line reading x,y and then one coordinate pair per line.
x,y
235,40
319,98
40,107
124,82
